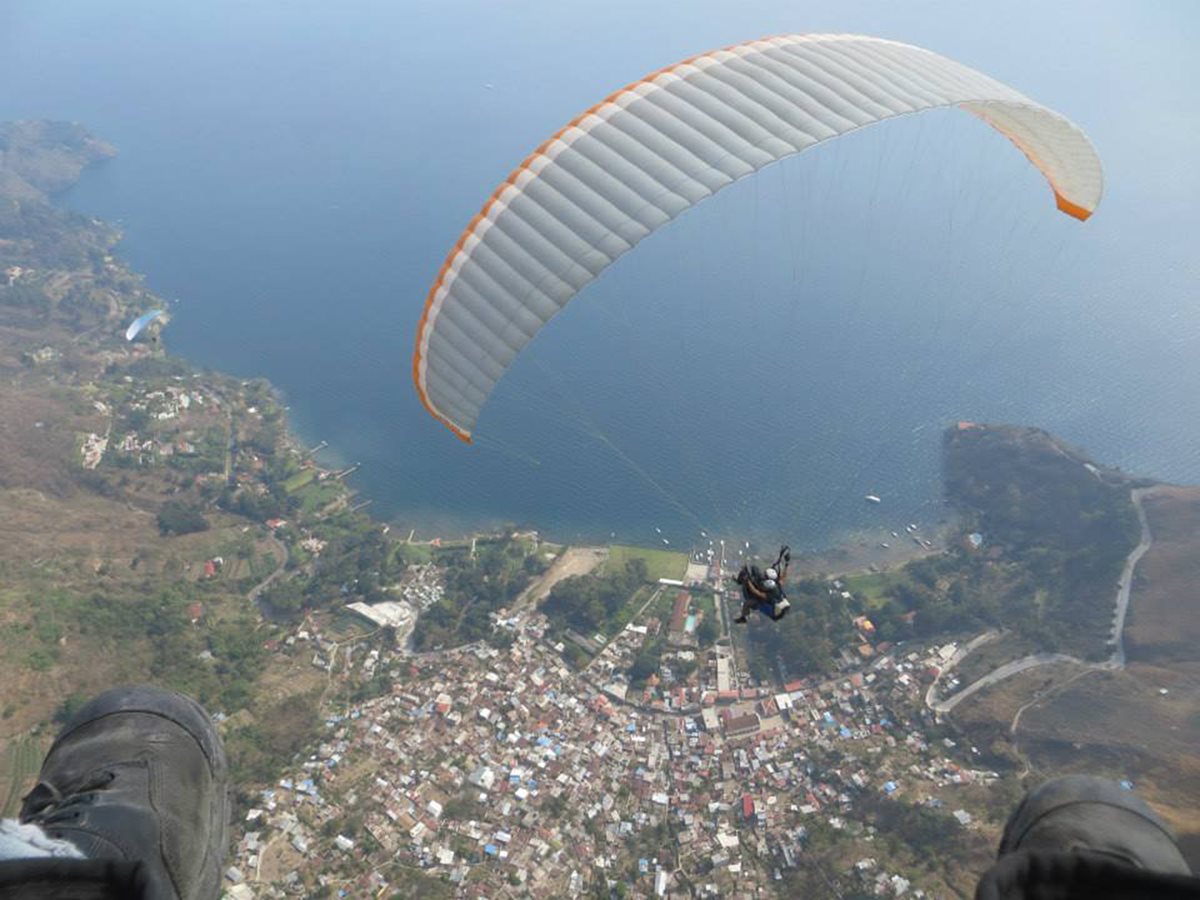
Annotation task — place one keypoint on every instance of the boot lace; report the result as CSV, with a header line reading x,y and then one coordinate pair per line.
x,y
47,805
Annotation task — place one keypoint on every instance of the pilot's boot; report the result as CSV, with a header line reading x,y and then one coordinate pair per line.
x,y
1085,814
1086,837
137,781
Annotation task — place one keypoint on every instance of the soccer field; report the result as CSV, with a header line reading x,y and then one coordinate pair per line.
x,y
659,563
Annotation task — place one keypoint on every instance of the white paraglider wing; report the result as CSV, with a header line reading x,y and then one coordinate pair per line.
x,y
657,147
138,325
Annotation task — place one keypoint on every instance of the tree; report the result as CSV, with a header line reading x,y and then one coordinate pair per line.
x,y
179,517
645,663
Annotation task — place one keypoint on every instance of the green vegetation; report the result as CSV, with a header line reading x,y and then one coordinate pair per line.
x,y
415,883
131,605
24,759
418,554
317,496
646,663
180,517
590,603
806,639
475,588
217,662
873,587
273,737
905,832
658,563
345,626
1057,530
358,562
709,628
299,480
41,158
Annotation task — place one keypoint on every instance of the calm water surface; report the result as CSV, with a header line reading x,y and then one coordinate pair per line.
x,y
292,175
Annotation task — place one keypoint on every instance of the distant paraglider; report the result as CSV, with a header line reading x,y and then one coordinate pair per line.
x,y
138,325
648,152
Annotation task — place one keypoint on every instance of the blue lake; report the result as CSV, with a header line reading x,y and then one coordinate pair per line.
x,y
292,174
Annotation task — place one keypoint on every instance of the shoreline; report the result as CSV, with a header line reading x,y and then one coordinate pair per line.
x,y
849,552
860,552
842,552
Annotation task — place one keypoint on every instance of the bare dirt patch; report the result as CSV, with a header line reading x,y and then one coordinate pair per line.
x,y
574,561
39,443
1164,617
996,707
1118,724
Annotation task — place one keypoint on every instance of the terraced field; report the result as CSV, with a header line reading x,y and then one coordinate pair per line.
x,y
22,760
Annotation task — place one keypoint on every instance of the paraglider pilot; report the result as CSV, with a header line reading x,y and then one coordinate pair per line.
x,y
763,590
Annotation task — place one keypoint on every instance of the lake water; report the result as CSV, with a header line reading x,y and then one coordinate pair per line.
x,y
293,173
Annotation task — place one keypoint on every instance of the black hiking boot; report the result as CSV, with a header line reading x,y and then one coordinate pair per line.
x,y
1084,837
137,780
741,620
1085,814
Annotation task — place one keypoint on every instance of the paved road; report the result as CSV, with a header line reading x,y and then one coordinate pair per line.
x,y
1115,661
1005,671
1118,657
931,695
266,582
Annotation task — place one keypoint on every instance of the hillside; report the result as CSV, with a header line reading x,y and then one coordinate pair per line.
x,y
1035,553
162,524
1138,723
135,490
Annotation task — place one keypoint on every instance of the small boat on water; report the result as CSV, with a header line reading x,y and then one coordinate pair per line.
x,y
871,498
885,545
894,534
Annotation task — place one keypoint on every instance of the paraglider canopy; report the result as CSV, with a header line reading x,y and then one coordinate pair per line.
x,y
138,325
654,149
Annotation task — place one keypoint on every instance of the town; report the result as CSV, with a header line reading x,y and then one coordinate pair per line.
x,y
511,771
499,715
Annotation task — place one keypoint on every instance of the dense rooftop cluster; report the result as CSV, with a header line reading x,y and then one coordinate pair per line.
x,y
509,771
